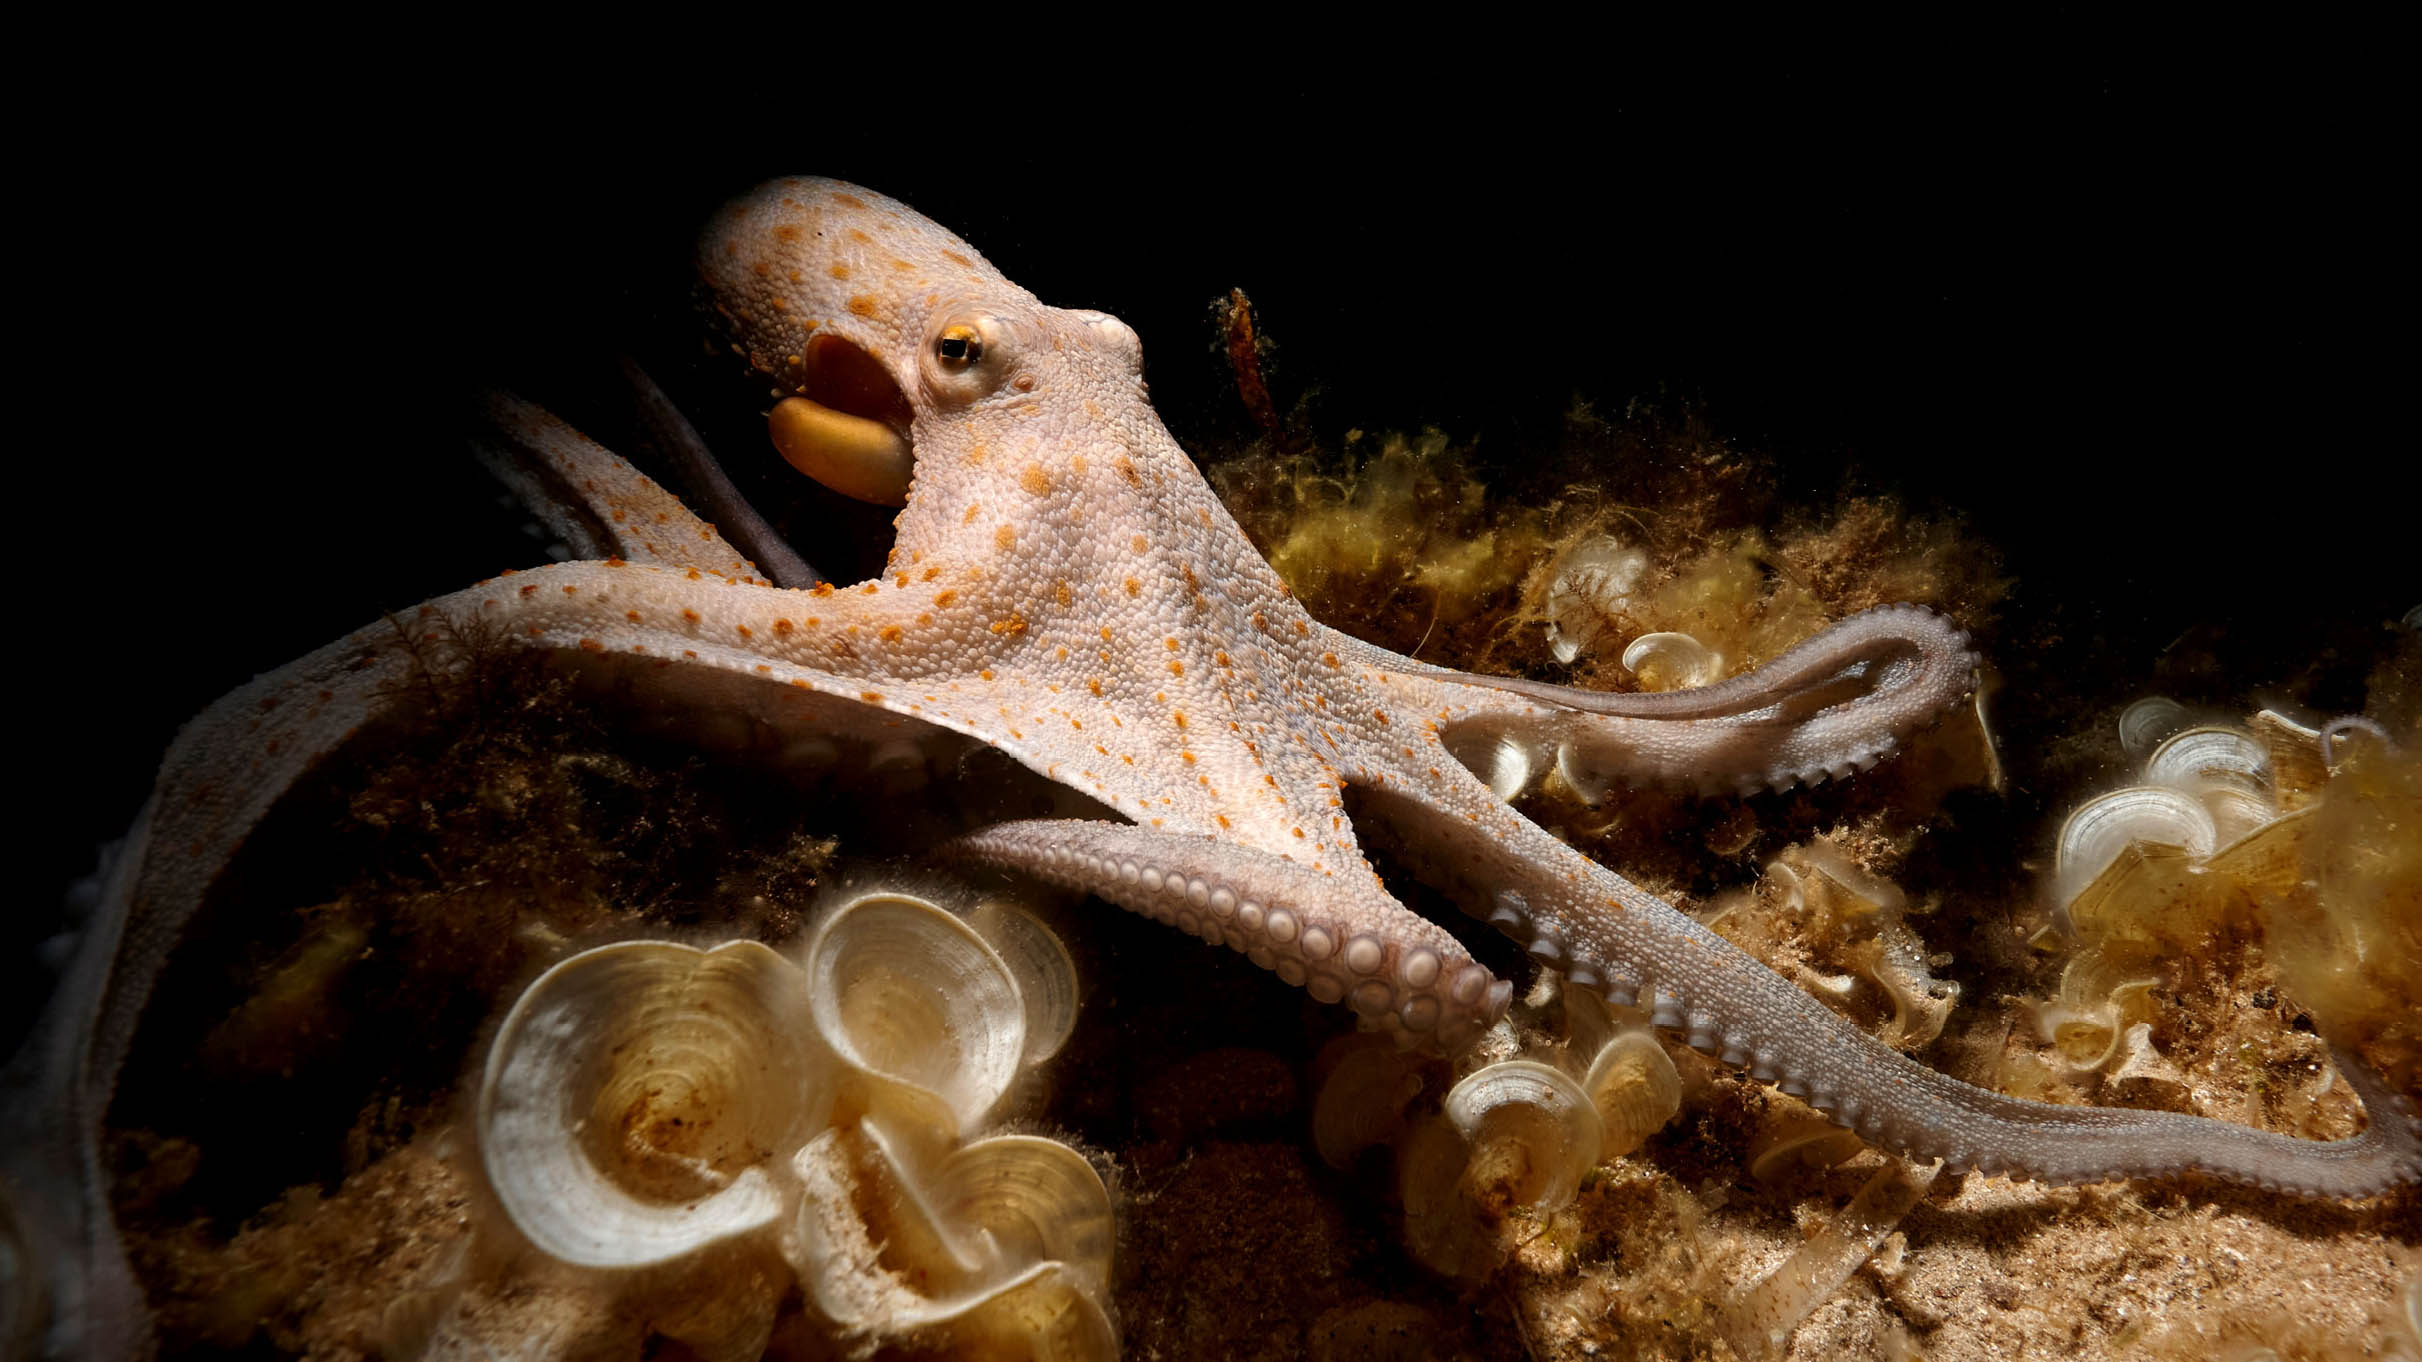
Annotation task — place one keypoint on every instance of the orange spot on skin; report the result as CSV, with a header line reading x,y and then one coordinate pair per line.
x,y
1035,480
690,615
1094,684
590,645
787,232
744,632
1139,544
1126,469
1134,588
782,626
530,590
945,597
986,673
929,574
840,271
1005,538
872,697
890,633
1186,757
824,588
870,588
970,517
1380,714
1329,658
1180,717
631,615
1060,594
864,305
1222,819
1176,668
1013,625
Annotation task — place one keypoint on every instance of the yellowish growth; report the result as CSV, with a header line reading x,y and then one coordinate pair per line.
x,y
1724,599
289,1016
1392,544
2345,933
1398,540
1667,1301
2222,964
1816,916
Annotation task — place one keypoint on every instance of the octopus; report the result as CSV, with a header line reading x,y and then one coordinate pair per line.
x,y
1064,587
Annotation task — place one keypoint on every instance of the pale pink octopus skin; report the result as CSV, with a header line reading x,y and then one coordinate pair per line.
x,y
1064,586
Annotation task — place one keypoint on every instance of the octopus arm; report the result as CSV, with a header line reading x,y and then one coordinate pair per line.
x,y
1613,938
735,518
1837,702
1341,937
219,779
595,501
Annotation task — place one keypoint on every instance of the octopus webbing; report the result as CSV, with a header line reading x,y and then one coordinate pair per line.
x,y
1065,587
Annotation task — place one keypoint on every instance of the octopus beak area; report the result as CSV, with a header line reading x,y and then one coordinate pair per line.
x,y
847,425
823,287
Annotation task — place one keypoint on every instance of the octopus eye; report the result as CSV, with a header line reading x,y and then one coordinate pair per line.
x,y
959,346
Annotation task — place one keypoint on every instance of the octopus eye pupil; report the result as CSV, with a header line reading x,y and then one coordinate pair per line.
x,y
959,346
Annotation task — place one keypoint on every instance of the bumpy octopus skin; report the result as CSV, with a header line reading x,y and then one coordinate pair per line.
x,y
1064,586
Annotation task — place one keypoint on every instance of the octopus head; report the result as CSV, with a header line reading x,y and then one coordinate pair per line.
x,y
884,334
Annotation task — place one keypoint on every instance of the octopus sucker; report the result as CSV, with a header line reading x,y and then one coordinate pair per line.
x,y
981,364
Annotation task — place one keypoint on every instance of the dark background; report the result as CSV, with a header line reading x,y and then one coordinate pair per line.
x,y
2144,323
